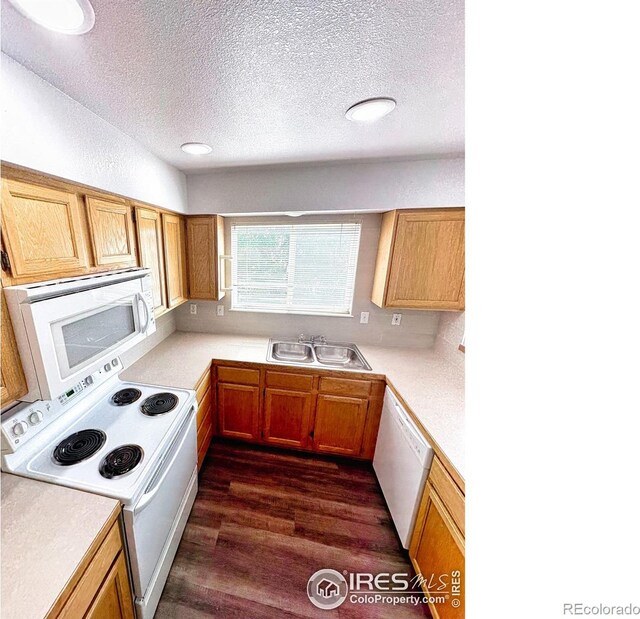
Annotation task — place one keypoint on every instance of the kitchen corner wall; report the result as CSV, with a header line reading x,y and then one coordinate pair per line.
x,y
165,326
44,129
417,329
449,337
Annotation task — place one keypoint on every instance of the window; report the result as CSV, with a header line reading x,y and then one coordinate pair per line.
x,y
298,268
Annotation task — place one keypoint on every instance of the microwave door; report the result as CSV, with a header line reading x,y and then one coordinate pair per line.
x,y
73,336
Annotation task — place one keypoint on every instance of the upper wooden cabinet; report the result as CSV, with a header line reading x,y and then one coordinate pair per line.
x,y
112,233
13,383
420,263
175,258
149,229
205,245
42,230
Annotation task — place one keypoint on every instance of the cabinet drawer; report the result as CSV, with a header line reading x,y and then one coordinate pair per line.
x,y
240,376
286,380
203,385
345,386
448,491
204,409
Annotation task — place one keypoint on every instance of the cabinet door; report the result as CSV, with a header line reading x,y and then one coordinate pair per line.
x,y
287,417
175,258
149,229
205,243
339,424
239,411
437,552
13,383
112,233
42,230
427,264
113,600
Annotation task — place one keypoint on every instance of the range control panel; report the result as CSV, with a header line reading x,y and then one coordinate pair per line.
x,y
26,420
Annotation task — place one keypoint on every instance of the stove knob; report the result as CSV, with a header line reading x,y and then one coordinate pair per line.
x,y
35,418
20,428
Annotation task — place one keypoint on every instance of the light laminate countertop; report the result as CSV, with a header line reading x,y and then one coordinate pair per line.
x,y
46,532
431,386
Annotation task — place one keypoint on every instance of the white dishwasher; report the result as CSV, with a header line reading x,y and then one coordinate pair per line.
x,y
401,461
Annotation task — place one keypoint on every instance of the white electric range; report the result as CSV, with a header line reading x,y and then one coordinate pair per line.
x,y
132,442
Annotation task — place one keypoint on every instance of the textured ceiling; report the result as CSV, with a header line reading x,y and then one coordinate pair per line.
x,y
261,81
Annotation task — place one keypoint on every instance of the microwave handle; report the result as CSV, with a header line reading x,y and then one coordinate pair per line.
x,y
146,313
165,466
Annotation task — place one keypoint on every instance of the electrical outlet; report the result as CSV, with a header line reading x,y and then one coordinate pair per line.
x,y
193,308
364,318
395,321
220,310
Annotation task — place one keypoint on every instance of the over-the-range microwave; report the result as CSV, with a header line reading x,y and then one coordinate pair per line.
x,y
66,329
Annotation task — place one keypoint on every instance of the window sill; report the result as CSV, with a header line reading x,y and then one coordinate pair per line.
x,y
289,313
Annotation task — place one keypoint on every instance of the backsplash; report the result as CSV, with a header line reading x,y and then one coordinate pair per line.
x,y
417,329
165,326
449,337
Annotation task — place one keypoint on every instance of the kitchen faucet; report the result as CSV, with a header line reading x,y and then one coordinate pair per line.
x,y
314,339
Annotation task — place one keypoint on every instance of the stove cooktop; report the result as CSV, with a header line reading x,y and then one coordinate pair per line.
x,y
111,443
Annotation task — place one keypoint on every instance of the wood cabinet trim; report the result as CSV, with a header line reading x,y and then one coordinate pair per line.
x,y
107,527
96,205
431,500
448,491
390,274
14,383
144,213
23,267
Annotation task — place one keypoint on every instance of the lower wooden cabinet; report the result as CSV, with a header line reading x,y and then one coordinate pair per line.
x,y
310,410
339,424
114,596
13,383
103,590
204,416
437,544
287,417
239,411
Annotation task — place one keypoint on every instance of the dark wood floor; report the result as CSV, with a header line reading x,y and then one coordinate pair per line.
x,y
264,521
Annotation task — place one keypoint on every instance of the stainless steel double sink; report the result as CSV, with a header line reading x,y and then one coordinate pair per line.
x,y
317,354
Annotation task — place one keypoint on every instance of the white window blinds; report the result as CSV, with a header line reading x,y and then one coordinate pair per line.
x,y
297,268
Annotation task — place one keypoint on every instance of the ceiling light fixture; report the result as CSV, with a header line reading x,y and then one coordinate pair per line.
x,y
370,110
65,16
196,148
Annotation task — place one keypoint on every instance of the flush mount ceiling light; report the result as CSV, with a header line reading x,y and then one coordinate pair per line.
x,y
66,16
370,110
196,148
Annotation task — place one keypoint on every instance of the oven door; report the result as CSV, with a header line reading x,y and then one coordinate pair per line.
x,y
150,521
73,335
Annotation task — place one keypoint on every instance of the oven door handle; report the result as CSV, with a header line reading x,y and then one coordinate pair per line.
x,y
147,316
165,466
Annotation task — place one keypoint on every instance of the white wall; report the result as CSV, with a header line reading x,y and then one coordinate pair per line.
x,y
417,329
44,129
449,337
329,187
